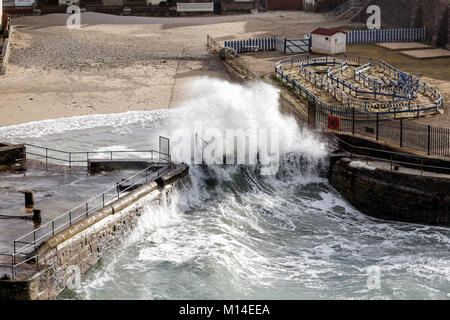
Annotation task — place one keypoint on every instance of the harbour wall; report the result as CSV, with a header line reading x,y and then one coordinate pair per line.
x,y
5,48
393,195
75,250
11,153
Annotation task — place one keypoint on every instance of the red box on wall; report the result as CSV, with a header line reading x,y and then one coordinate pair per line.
x,y
334,122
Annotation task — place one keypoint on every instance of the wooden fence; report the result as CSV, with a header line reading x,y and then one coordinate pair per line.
x,y
303,45
263,44
385,35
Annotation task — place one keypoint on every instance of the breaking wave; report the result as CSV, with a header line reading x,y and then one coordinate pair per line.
x,y
235,234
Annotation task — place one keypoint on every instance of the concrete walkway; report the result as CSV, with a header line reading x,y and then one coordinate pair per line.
x,y
57,190
427,54
397,46
386,165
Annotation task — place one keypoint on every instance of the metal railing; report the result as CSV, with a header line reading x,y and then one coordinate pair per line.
x,y
382,125
425,139
82,158
28,243
388,157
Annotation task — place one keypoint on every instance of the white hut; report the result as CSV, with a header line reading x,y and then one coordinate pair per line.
x,y
328,41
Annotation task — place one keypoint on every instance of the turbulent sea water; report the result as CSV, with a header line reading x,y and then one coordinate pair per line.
x,y
234,234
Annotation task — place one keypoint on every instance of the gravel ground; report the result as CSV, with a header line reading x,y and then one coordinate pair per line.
x,y
63,49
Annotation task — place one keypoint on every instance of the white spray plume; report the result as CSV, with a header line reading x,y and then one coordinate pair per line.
x,y
221,105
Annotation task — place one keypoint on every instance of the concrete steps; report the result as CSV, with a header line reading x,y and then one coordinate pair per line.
x,y
347,10
350,13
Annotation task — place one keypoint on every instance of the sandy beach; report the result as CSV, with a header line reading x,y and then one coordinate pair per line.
x,y
116,64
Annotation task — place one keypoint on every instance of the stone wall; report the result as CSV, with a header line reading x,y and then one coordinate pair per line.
x,y
431,14
81,246
284,5
20,290
4,49
10,153
327,5
231,6
393,195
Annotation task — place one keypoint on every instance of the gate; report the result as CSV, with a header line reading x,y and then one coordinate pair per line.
x,y
293,45
164,147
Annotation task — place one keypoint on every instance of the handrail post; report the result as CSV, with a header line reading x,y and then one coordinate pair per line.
x,y
401,132
103,197
46,158
429,138
70,218
70,160
353,120
87,209
53,227
87,163
378,119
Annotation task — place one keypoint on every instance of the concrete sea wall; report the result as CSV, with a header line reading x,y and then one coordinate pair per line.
x,y
393,195
80,247
5,49
10,153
